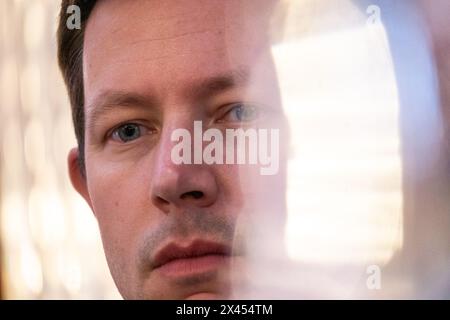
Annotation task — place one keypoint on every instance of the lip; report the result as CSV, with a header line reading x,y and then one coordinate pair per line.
x,y
176,260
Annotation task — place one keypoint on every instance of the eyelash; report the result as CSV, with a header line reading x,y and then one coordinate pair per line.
x,y
232,107
115,132
145,130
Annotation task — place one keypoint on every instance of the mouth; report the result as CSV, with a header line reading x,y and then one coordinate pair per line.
x,y
175,260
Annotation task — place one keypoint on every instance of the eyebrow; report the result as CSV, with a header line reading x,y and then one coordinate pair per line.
x,y
216,84
204,88
111,100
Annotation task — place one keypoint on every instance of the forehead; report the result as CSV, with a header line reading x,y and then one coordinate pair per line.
x,y
171,40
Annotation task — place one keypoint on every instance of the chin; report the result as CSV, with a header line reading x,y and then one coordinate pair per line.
x,y
206,296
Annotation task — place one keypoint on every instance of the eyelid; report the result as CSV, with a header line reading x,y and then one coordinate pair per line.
x,y
230,106
109,133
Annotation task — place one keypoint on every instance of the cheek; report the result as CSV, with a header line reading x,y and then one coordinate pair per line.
x,y
263,209
116,188
115,192
246,194
119,200
231,185
119,197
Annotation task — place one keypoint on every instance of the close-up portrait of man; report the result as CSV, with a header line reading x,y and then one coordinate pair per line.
x,y
136,72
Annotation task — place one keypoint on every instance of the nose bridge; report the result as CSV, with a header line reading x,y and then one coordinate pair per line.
x,y
165,170
174,119
177,185
166,145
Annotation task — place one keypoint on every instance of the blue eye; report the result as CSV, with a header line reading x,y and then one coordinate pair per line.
x,y
241,113
127,132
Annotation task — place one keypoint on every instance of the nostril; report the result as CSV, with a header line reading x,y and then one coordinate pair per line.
x,y
162,201
192,194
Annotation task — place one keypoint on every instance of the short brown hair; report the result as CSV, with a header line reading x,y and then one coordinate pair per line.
x,y
70,59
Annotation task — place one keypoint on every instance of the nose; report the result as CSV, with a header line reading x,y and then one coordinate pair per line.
x,y
181,185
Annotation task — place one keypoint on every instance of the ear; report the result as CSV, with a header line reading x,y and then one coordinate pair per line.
x,y
76,176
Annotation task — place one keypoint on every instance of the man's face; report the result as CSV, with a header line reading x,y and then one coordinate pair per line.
x,y
150,67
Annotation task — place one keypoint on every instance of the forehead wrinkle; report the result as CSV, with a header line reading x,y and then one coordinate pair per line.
x,y
169,37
